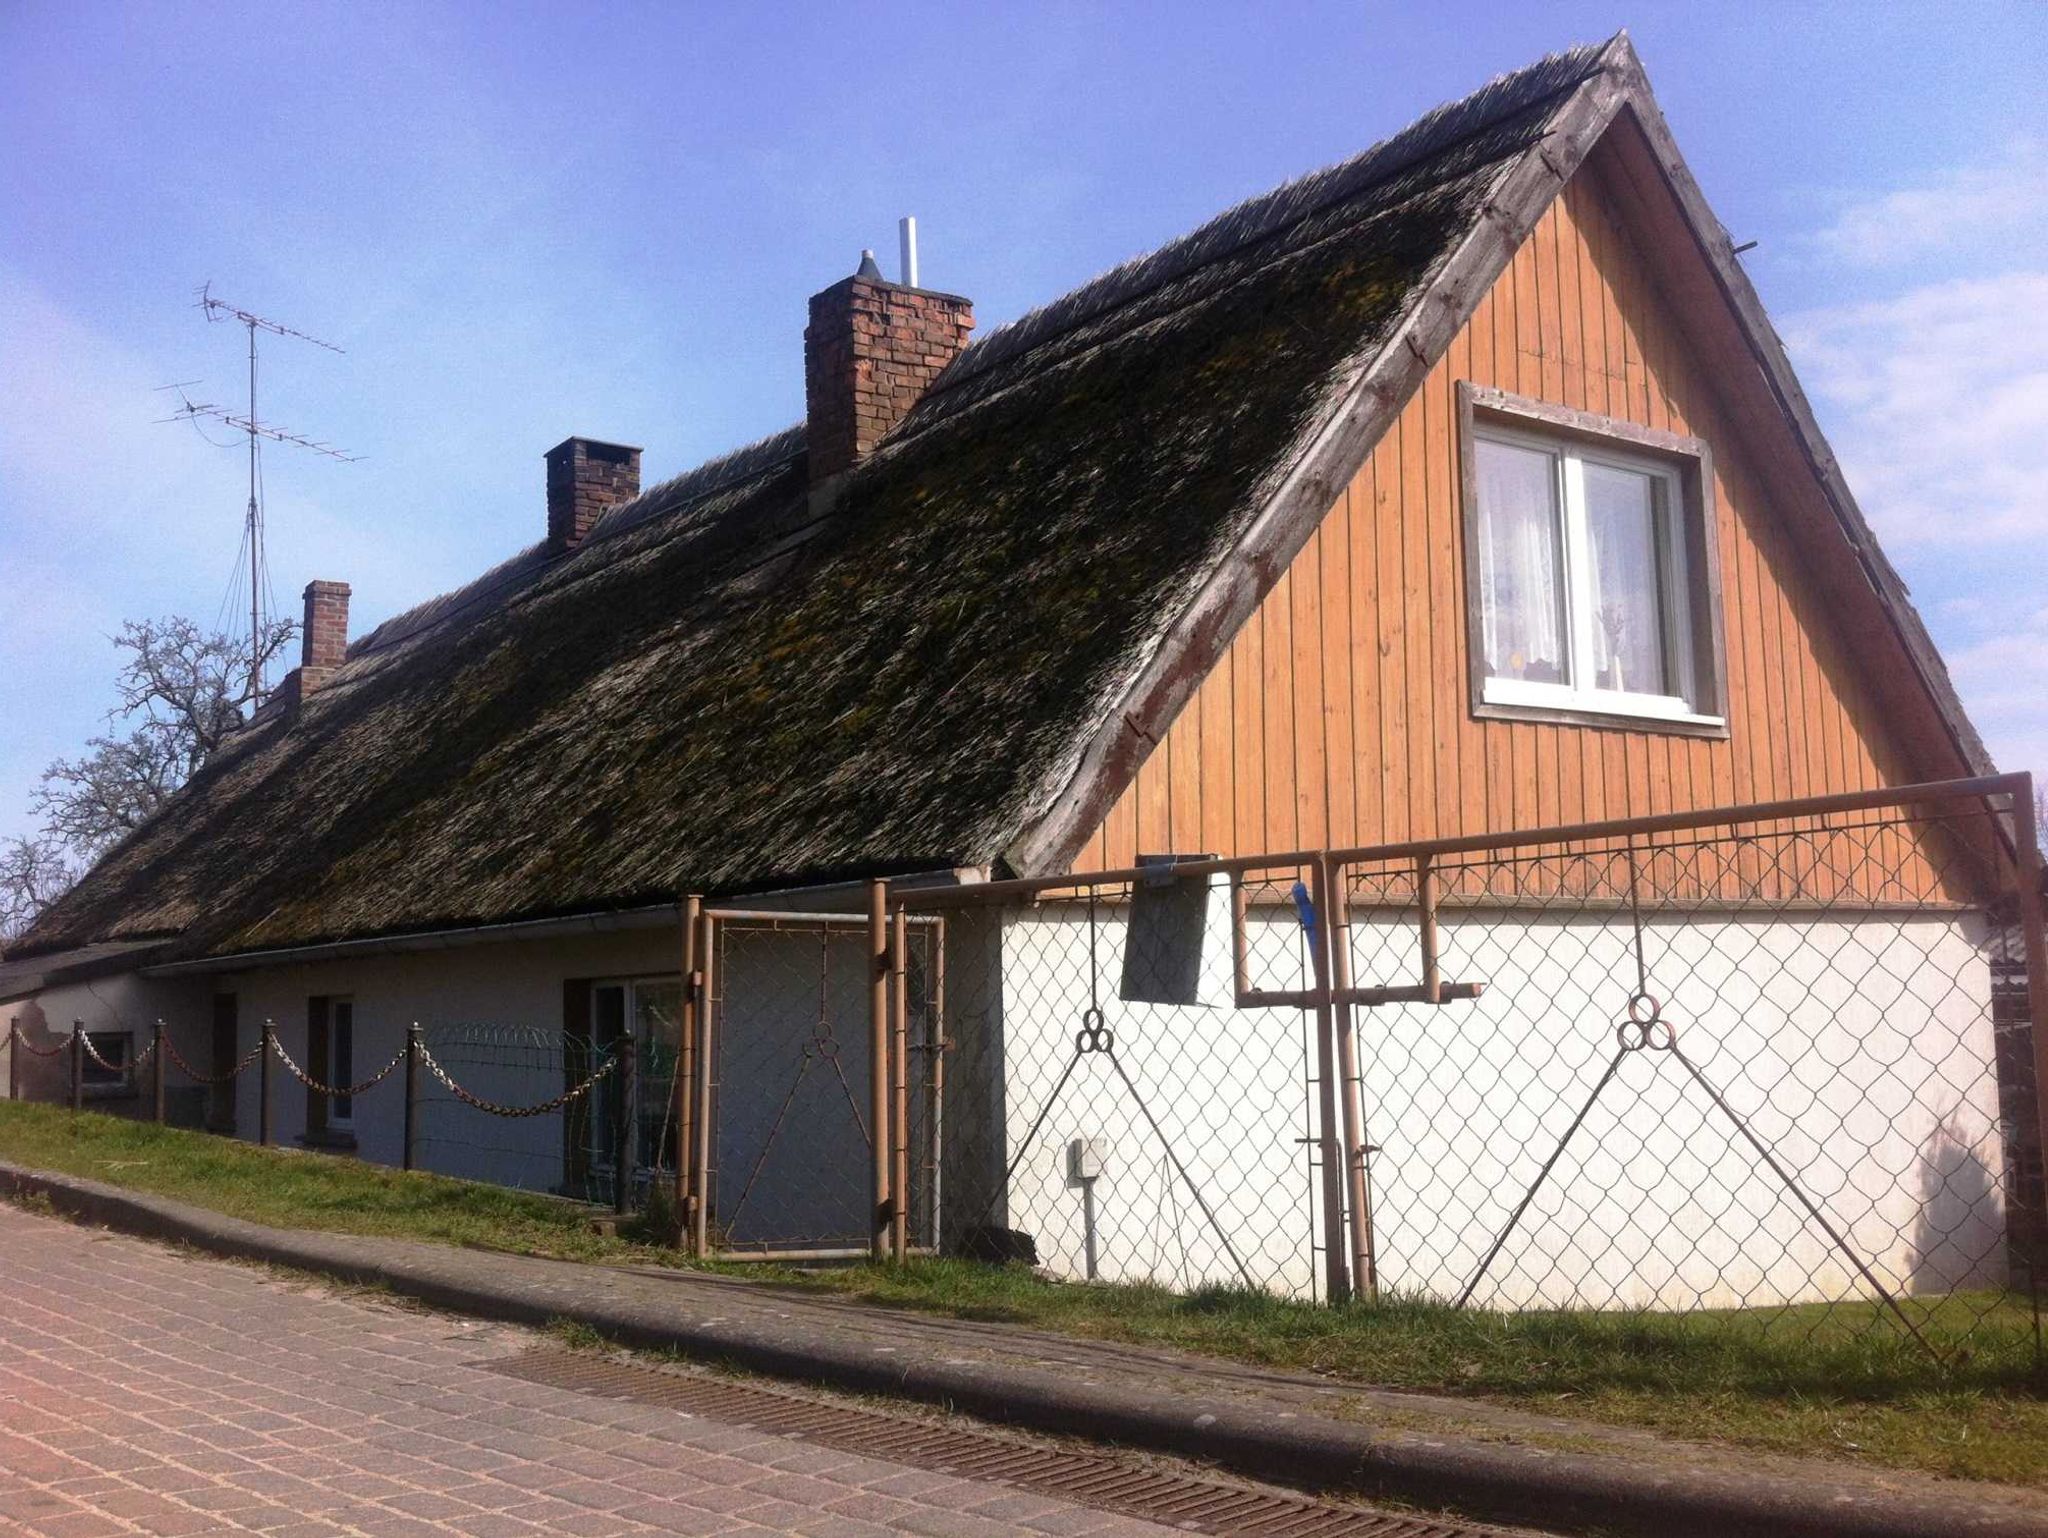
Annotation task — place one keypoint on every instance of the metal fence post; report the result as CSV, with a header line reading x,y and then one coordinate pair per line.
x,y
1337,939
624,1139
703,1154
687,1058
878,1069
412,1092
156,1071
1336,1269
899,1139
263,1086
13,1059
2033,909
77,1064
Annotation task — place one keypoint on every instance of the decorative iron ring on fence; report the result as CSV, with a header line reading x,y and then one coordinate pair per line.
x,y
1093,1036
509,1110
197,1077
1645,1026
327,1089
20,1040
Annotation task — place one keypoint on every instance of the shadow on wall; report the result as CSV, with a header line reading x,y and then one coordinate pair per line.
x,y
41,1077
1959,1238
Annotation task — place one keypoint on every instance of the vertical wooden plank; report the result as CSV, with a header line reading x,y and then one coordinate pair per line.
x,y
1367,730
1424,813
1445,619
1311,778
1248,713
1495,750
1219,790
1276,691
1394,697
1339,644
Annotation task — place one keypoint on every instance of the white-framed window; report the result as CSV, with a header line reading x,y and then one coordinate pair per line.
x,y
1589,574
331,1059
650,1009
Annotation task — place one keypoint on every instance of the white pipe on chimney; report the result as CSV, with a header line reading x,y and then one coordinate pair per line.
x,y
906,236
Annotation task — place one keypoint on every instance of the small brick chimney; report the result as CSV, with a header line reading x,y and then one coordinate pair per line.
x,y
585,478
871,350
323,640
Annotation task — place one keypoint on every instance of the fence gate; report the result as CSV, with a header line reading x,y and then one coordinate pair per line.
x,y
782,1090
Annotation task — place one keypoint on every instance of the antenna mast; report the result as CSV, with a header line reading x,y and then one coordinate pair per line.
x,y
255,429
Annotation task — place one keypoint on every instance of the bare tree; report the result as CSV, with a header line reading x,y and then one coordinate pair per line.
x,y
34,872
181,691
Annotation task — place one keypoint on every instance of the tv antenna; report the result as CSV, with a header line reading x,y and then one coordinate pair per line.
x,y
256,431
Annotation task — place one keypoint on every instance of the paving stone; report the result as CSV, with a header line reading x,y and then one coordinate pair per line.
x,y
234,1401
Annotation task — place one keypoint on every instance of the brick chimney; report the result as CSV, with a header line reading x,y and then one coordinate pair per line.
x,y
871,350
323,639
585,478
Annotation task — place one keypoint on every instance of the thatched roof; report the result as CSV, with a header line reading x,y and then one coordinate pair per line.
x,y
720,690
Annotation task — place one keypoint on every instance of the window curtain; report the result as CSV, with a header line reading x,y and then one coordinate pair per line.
x,y
1521,575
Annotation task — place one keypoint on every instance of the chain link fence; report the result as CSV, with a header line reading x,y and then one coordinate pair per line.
x,y
1780,1062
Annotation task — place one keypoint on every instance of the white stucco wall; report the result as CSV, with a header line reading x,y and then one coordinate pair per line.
x,y
1858,1048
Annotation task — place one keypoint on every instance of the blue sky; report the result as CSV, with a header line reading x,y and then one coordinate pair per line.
x,y
524,222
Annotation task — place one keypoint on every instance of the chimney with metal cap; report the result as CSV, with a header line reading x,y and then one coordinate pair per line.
x,y
871,350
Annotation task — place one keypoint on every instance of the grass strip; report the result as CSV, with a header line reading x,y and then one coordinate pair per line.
x,y
1833,1380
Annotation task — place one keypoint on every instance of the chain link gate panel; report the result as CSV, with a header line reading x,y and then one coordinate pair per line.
x,y
784,1112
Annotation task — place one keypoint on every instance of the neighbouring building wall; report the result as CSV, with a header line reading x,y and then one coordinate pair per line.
x,y
1856,1046
1340,715
494,1012
122,1005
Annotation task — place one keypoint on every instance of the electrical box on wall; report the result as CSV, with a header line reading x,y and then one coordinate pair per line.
x,y
1085,1158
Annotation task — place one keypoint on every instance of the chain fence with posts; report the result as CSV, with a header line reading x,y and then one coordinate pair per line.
x,y
510,1063
1778,1062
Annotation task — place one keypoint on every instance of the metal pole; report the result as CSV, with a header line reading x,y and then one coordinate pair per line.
x,y
899,1032
623,1139
686,1075
1337,931
263,1086
1425,908
412,1092
255,544
77,1064
13,1059
1337,1271
878,1070
935,1082
2033,909
156,1071
707,1074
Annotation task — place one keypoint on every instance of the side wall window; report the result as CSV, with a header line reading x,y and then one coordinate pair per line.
x,y
1590,561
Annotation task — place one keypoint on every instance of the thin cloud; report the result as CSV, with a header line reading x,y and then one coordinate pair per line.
x,y
1939,405
2004,201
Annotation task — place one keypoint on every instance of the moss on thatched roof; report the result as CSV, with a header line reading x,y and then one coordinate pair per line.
x,y
718,690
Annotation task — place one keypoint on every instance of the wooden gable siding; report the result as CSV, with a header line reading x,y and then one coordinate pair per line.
x,y
1340,714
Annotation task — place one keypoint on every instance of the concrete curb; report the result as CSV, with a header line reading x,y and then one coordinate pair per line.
x,y
1590,1493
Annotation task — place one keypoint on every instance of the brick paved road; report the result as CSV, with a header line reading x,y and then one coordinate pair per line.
x,y
146,1391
